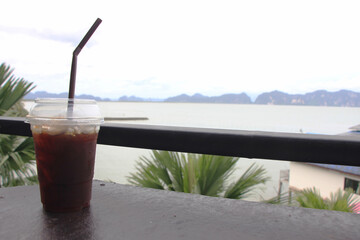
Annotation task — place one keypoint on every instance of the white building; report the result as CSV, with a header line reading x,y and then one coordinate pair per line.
x,y
325,177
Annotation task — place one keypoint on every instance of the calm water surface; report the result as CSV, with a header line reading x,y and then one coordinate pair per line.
x,y
115,163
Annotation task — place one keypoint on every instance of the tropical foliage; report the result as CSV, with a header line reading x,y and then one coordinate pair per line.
x,y
196,173
344,201
16,153
340,200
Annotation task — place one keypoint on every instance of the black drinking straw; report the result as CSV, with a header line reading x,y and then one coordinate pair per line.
x,y
76,53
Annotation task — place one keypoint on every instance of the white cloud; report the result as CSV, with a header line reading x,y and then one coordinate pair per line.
x,y
164,48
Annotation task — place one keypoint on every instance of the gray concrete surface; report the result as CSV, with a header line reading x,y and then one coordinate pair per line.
x,y
127,212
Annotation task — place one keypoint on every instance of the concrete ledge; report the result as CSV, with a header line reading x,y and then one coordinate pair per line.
x,y
127,212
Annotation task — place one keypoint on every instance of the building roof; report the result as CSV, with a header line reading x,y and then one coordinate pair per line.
x,y
341,168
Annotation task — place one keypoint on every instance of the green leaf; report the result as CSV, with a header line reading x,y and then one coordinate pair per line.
x,y
12,89
252,177
194,173
17,154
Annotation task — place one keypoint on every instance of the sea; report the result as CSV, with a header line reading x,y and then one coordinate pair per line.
x,y
116,163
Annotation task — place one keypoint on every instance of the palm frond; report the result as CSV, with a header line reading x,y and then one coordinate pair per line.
x,y
213,172
343,201
340,200
17,160
190,183
252,177
311,198
192,173
17,154
146,175
12,89
173,166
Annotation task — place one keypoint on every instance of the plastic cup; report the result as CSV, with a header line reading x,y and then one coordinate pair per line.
x,y
65,133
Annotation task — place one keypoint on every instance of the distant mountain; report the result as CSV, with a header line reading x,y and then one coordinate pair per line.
x,y
44,94
131,99
198,98
343,98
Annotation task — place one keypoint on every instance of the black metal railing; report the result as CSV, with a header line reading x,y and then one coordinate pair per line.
x,y
341,150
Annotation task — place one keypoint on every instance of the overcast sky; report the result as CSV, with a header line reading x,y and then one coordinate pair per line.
x,y
157,49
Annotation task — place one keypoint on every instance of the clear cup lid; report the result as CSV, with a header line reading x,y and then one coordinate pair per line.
x,y
65,111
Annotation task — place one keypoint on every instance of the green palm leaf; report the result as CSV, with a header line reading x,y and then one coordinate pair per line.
x,y
12,89
344,201
17,162
172,164
146,175
17,154
252,177
193,173
213,172
188,174
311,198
